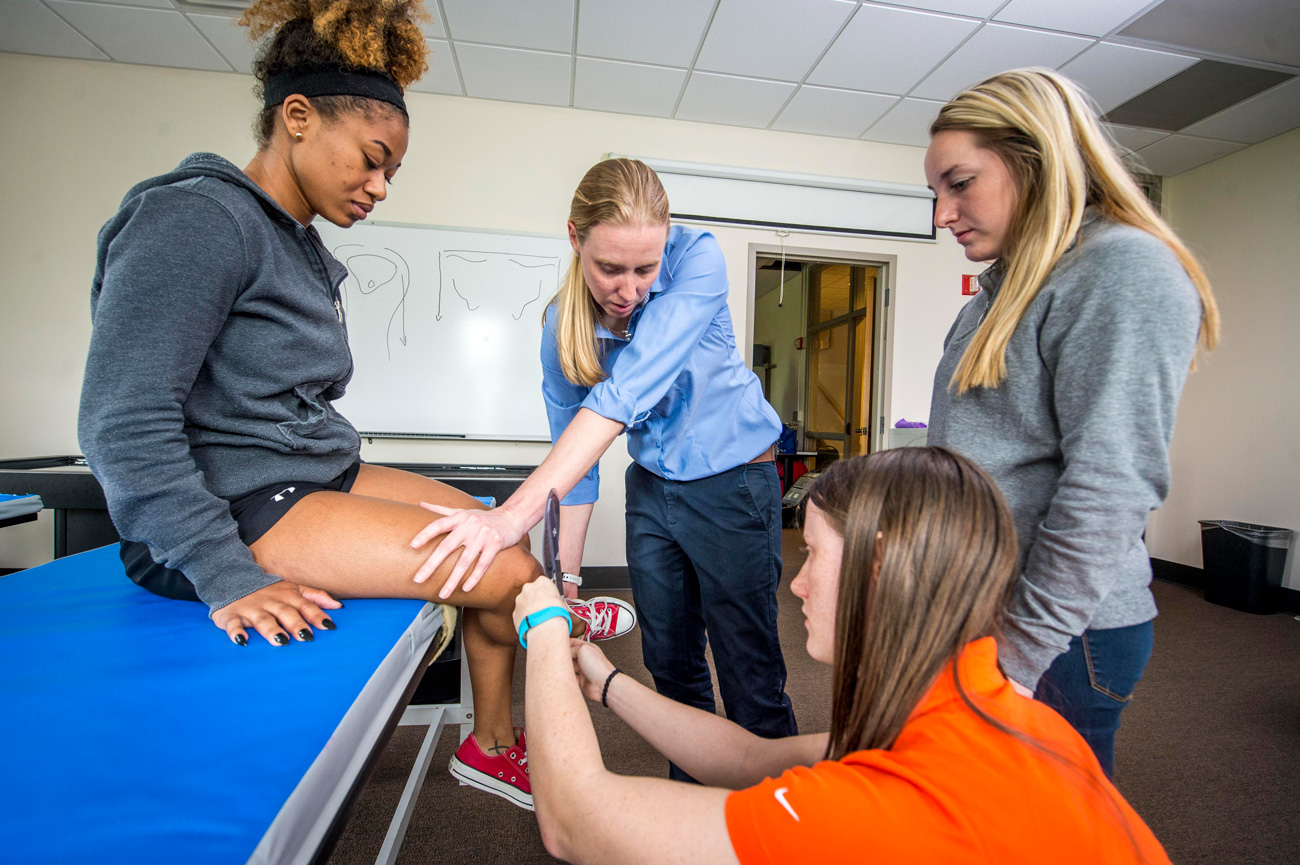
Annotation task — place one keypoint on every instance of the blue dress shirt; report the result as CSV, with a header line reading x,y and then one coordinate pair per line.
x,y
689,405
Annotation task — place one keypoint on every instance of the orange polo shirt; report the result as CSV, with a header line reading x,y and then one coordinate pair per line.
x,y
951,789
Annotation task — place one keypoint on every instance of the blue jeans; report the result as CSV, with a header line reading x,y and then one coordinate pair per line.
x,y
1091,683
704,557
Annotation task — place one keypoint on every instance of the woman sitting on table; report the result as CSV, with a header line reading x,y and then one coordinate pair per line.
x,y
219,344
932,756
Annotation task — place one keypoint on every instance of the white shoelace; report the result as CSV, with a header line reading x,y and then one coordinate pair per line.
x,y
597,620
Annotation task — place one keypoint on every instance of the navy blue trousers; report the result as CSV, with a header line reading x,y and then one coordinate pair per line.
x,y
1091,683
704,557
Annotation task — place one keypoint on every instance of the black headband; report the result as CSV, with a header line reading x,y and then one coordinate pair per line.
x,y
312,81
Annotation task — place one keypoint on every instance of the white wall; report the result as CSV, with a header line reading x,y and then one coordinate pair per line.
x,y
78,134
1236,450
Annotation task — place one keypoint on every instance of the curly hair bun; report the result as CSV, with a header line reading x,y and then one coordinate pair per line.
x,y
381,35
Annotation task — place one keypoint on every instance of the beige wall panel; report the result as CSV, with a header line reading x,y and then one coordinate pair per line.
x,y
1236,450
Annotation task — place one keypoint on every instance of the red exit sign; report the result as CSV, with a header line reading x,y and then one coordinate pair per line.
x,y
970,285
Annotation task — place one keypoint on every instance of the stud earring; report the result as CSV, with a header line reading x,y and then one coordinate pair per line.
x,y
298,135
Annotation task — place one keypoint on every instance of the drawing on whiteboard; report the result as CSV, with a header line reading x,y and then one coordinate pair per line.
x,y
376,278
416,341
494,279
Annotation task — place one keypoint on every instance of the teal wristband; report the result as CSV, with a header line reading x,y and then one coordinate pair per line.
x,y
532,620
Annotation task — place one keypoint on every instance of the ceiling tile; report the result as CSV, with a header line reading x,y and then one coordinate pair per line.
x,y
1134,137
1093,18
31,28
1113,74
765,38
824,111
888,50
626,88
731,100
1179,153
666,32
908,122
153,37
433,28
995,48
1258,118
155,4
973,8
1267,30
228,38
514,74
441,77
544,24
1198,92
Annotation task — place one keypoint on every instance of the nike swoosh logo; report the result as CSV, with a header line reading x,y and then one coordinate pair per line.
x,y
779,793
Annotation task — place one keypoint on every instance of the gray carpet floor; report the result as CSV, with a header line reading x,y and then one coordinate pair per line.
x,y
1209,752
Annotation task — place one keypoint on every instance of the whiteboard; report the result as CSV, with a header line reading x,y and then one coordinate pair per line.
x,y
445,328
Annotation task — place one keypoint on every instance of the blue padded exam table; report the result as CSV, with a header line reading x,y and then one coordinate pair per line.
x,y
135,731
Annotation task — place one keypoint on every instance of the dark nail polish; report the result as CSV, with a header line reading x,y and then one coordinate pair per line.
x,y
305,635
280,640
328,623
241,640
341,605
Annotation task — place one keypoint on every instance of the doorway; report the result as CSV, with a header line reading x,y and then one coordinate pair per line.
x,y
821,328
841,318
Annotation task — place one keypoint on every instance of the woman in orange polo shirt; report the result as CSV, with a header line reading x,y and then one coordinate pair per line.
x,y
931,757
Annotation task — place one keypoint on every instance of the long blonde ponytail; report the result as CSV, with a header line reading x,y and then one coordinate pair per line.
x,y
615,192
1043,128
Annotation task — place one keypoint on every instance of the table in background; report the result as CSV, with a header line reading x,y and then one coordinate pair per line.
x,y
785,466
81,520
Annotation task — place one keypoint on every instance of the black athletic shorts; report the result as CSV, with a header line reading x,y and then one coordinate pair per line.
x,y
254,514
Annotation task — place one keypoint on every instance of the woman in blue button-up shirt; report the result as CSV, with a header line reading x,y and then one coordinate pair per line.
x,y
639,340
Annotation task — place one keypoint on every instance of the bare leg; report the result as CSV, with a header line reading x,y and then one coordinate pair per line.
x,y
358,545
491,667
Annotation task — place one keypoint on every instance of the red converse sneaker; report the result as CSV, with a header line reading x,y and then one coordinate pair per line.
x,y
505,775
606,618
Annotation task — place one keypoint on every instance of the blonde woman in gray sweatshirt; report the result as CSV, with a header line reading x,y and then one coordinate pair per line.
x,y
1062,376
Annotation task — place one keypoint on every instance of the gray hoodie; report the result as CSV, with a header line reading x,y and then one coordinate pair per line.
x,y
1077,435
218,345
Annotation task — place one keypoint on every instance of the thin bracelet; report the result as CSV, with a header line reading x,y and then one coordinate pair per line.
x,y
604,692
532,620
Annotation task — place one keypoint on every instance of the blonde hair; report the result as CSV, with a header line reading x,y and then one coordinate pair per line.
x,y
613,192
1043,128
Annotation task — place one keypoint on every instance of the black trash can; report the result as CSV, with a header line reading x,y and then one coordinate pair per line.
x,y
1244,564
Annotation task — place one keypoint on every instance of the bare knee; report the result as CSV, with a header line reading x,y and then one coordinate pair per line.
x,y
517,566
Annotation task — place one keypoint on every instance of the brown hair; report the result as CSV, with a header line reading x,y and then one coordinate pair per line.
x,y
947,556
948,560
614,192
1046,132
375,35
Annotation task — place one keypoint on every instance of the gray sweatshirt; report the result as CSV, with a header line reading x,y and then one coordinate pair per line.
x,y
217,347
1077,435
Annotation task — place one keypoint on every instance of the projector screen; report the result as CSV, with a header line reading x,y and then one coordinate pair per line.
x,y
802,202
